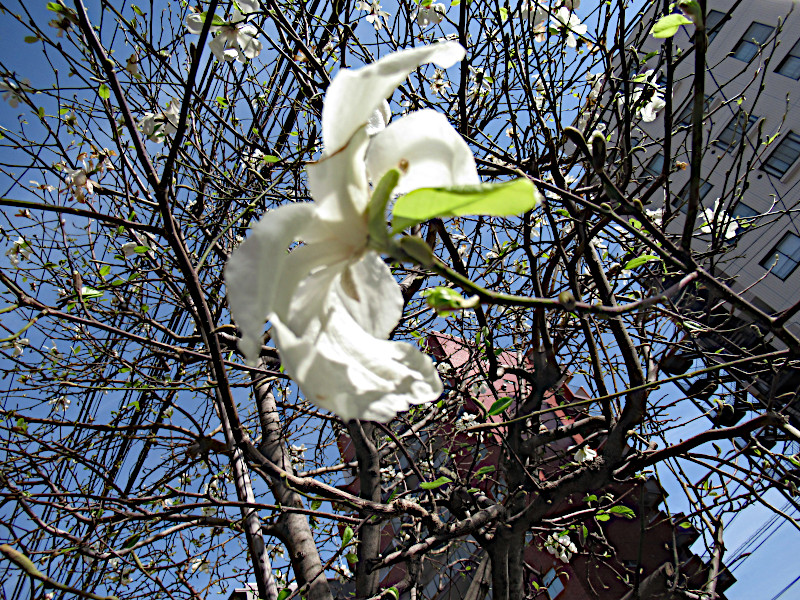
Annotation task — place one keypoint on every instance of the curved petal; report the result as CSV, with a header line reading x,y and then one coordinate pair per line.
x,y
371,295
194,23
353,374
217,47
437,155
354,94
338,183
249,6
255,272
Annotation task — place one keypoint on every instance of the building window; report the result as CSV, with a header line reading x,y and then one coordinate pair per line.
x,y
785,256
733,132
712,20
656,166
752,41
553,584
685,116
682,199
784,155
790,67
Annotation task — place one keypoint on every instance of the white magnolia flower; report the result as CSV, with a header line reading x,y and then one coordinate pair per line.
x,y
20,250
439,83
585,454
13,93
376,16
132,65
129,249
723,223
200,563
235,39
333,302
432,15
655,215
560,546
536,13
156,126
650,110
480,84
79,183
60,402
568,22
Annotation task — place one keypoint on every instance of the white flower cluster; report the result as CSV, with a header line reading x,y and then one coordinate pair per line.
x,y
234,39
560,546
376,16
157,126
20,250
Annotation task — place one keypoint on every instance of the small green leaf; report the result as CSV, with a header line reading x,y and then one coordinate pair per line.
x,y
490,199
639,261
622,511
347,536
503,14
269,158
141,249
602,517
222,102
316,504
499,406
590,498
89,293
137,10
284,593
55,7
685,525
105,270
31,39
104,92
351,557
668,26
432,485
486,470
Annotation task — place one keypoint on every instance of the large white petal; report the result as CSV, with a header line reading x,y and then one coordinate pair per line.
x,y
256,269
338,184
353,374
437,155
195,22
371,295
354,94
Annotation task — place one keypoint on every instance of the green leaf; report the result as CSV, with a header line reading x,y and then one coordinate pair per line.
x,y
668,26
590,498
351,557
89,293
269,158
347,536
639,261
394,592
432,485
503,14
491,199
622,511
104,92
141,249
55,7
316,504
685,525
499,406
137,10
222,101
31,39
284,593
105,270
602,517
486,470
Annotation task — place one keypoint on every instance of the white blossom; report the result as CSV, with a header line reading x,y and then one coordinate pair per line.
x,y
585,454
569,24
60,402
560,546
235,39
431,15
332,301
20,250
13,93
723,223
156,126
129,249
201,564
376,16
